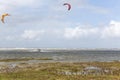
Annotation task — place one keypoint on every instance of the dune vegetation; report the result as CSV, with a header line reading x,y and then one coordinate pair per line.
x,y
61,71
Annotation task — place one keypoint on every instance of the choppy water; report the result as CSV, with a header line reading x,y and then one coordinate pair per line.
x,y
65,55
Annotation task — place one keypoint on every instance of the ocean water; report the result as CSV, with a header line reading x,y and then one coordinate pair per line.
x,y
64,55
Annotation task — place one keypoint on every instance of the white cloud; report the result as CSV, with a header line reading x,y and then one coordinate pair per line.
x,y
78,32
19,2
112,30
74,36
32,34
6,5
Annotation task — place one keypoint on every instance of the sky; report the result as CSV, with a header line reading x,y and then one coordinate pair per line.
x,y
48,24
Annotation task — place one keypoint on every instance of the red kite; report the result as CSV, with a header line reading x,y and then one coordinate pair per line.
x,y
69,6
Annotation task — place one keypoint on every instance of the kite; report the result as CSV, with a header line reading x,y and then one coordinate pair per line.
x,y
3,17
69,6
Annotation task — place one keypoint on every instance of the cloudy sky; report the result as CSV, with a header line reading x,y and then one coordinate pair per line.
x,y
48,24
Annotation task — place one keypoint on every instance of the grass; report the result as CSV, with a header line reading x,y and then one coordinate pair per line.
x,y
23,59
62,71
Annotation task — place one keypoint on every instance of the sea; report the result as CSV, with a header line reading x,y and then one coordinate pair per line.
x,y
63,55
